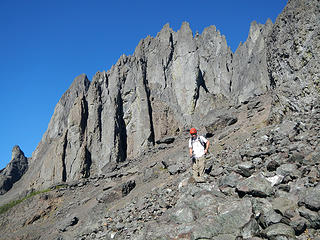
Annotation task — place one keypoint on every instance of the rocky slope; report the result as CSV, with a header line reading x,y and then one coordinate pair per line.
x,y
115,151
265,187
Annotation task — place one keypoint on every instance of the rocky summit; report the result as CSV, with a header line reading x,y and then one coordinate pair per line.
x,y
114,161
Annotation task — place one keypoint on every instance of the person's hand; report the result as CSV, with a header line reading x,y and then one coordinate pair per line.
x,y
205,151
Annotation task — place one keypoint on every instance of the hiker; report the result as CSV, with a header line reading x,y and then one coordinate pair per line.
x,y
198,147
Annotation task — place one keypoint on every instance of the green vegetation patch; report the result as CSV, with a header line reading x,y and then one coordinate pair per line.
x,y
13,203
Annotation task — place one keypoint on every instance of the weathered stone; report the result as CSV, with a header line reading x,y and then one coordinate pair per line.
x,y
256,185
127,187
272,166
269,218
250,56
275,180
14,170
278,230
299,49
174,169
107,197
311,198
250,230
299,224
288,170
217,120
282,205
167,140
246,169
183,215
260,206
312,217
69,222
230,180
231,218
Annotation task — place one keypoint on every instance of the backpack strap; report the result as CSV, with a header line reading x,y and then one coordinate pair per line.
x,y
200,140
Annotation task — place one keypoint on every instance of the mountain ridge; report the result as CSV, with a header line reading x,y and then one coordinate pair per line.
x,y
189,84
122,137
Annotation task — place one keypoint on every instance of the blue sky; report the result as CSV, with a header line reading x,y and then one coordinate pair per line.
x,y
45,44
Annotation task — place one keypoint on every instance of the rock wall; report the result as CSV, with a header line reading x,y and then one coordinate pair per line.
x,y
250,76
293,58
157,92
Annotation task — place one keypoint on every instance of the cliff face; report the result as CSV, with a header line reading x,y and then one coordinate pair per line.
x,y
293,58
172,82
169,84
118,143
250,75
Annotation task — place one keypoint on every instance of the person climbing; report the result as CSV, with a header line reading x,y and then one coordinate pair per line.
x,y
198,147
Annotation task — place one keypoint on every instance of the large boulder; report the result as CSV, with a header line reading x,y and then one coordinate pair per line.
x,y
256,185
311,198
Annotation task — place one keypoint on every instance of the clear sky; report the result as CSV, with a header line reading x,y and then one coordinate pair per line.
x,y
45,44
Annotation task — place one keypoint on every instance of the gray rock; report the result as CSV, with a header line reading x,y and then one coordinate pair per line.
x,y
260,206
311,198
167,140
174,169
230,180
68,222
215,171
127,187
299,224
218,120
275,180
288,170
312,217
14,170
150,174
278,230
298,48
108,197
232,217
50,163
246,169
250,56
256,185
272,166
176,164
269,218
282,205
183,215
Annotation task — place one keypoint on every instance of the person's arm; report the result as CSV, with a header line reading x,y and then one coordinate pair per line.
x,y
190,152
190,148
207,147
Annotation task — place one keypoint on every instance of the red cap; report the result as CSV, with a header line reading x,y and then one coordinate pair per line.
x,y
193,131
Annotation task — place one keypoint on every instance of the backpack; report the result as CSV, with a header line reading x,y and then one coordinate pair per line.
x,y
200,140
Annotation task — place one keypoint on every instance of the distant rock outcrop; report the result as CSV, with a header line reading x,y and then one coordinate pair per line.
x,y
14,170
